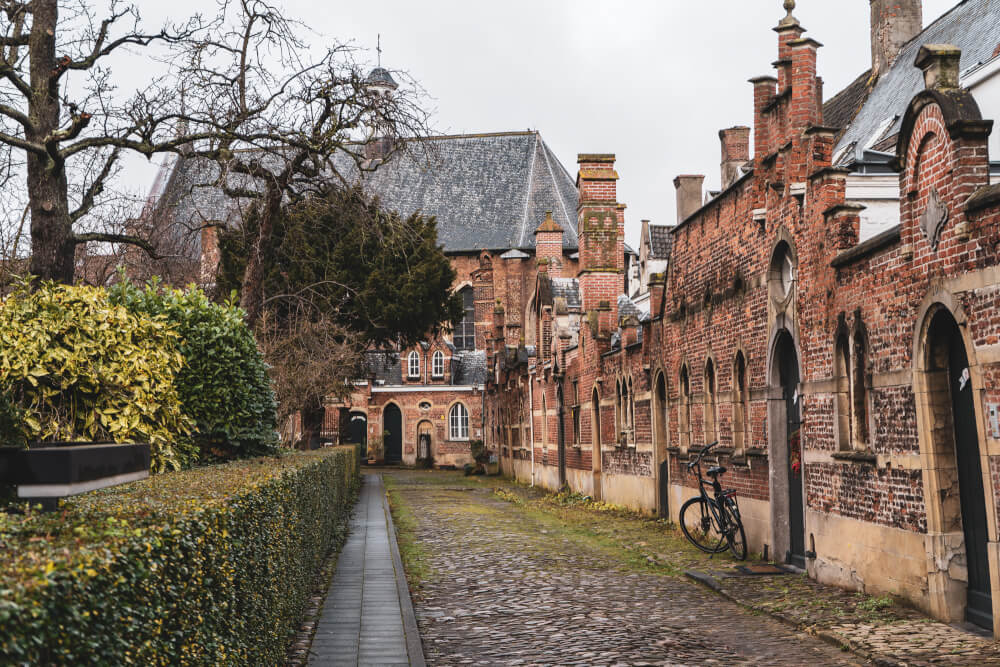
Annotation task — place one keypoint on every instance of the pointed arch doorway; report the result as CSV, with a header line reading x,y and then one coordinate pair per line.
x,y
392,431
784,426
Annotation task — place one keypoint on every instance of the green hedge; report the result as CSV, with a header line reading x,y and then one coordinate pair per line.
x,y
205,566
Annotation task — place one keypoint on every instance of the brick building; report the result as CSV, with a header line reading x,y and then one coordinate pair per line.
x,y
852,382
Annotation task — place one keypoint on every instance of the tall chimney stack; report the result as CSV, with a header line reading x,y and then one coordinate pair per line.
x,y
735,153
688,195
894,23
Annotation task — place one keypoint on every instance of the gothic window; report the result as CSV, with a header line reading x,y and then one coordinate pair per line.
x,y
413,364
630,405
685,411
437,364
709,419
458,422
619,417
741,403
660,412
841,377
545,423
576,413
859,393
465,332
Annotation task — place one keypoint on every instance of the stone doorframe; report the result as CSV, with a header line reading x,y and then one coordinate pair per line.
x,y
595,443
944,541
777,441
661,438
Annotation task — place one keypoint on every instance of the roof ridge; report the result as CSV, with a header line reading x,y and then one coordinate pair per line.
x,y
527,192
559,196
477,135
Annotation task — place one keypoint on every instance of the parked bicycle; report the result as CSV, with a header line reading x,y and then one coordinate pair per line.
x,y
713,523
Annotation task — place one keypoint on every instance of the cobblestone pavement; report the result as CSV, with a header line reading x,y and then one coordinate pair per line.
x,y
508,586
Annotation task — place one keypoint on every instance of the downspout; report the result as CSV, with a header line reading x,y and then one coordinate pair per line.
x,y
531,425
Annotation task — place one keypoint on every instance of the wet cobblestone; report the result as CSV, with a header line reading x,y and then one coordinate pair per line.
x,y
505,588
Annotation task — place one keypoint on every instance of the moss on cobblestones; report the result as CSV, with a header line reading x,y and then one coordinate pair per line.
x,y
414,559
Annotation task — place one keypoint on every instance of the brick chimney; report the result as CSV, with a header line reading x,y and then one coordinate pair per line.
x,y
549,245
735,153
894,23
688,195
602,238
657,286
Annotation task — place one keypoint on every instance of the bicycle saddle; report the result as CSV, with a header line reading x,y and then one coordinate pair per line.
x,y
716,470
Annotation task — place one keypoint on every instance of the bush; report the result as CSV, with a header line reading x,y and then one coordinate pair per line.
x,y
206,566
223,386
76,367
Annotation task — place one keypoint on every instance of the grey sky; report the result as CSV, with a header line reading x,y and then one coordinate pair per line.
x,y
650,80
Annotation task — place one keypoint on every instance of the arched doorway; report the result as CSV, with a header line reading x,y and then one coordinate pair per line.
x,y
784,423
660,445
392,432
425,450
595,440
357,429
954,440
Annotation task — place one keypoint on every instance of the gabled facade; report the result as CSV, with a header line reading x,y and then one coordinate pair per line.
x,y
853,385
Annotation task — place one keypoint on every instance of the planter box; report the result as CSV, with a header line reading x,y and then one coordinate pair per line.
x,y
48,472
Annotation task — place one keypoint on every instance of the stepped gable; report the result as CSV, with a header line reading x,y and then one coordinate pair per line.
x,y
972,26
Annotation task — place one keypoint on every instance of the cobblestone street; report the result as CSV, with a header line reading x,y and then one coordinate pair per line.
x,y
503,585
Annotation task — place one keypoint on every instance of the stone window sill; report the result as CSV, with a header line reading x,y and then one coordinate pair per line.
x,y
856,456
761,453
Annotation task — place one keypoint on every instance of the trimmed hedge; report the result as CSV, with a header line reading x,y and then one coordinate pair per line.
x,y
206,566
223,386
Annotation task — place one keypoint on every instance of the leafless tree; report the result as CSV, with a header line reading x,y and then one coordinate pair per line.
x,y
241,88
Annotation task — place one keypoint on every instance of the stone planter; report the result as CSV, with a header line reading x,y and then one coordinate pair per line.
x,y
47,472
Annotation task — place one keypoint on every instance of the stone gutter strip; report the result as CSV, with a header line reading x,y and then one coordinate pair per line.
x,y
414,647
829,637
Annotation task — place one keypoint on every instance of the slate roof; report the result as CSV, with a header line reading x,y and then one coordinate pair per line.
x,y
386,368
487,191
627,307
468,368
973,26
381,75
839,110
569,289
660,241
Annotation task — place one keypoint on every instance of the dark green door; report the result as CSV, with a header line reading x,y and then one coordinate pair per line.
x,y
392,432
789,369
979,609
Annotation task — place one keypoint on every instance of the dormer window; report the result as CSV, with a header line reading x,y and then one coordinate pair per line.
x,y
413,365
437,364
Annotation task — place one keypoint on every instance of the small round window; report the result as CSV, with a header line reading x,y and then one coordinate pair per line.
x,y
425,406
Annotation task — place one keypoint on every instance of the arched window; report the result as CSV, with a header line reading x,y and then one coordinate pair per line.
x,y
437,364
685,411
842,380
660,412
413,364
709,413
545,423
741,403
859,393
458,422
465,332
630,406
619,416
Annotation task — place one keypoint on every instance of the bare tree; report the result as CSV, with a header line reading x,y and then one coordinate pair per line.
x,y
255,101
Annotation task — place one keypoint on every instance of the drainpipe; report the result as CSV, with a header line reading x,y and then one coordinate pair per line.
x,y
531,425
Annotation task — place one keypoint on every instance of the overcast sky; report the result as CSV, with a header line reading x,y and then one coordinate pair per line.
x,y
652,81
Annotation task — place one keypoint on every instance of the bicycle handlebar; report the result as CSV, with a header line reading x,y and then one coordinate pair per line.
x,y
702,453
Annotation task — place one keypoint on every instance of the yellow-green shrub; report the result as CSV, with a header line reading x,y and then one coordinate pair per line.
x,y
80,368
207,566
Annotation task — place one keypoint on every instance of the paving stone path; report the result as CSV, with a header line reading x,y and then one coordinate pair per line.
x,y
505,588
364,618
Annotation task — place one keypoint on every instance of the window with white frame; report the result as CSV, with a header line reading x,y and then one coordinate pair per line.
x,y
413,365
458,423
437,364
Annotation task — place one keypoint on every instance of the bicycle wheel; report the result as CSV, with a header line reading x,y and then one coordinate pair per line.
x,y
700,526
735,534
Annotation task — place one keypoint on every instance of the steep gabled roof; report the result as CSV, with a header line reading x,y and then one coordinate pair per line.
x,y
840,110
487,190
972,25
661,240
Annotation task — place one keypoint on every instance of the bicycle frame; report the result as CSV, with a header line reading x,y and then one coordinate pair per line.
x,y
715,500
